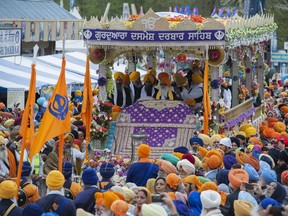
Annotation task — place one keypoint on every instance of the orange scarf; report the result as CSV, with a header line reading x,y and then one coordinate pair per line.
x,y
12,164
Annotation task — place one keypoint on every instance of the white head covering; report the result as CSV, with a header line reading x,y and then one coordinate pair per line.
x,y
210,199
188,167
153,210
226,142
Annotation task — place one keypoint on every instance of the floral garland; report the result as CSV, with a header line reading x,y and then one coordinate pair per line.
x,y
249,35
239,119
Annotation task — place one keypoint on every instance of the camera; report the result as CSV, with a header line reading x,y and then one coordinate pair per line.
x,y
157,198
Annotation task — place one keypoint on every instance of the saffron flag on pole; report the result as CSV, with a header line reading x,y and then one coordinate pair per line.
x,y
27,124
56,119
87,103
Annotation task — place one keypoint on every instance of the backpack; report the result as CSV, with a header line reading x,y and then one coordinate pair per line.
x,y
22,199
67,192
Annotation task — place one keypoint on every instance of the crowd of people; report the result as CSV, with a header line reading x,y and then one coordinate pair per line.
x,y
242,175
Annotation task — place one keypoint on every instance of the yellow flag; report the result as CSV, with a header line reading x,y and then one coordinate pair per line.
x,y
86,110
56,119
27,124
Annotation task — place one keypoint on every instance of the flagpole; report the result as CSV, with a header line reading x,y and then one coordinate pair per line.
x,y
25,121
61,141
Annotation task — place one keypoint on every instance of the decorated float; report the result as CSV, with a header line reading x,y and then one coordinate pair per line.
x,y
234,45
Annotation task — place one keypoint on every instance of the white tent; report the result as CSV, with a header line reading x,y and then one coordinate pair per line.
x,y
15,71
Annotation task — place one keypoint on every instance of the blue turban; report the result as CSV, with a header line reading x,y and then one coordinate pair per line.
x,y
89,176
67,169
107,170
222,177
195,203
32,209
229,161
263,166
269,176
181,149
181,208
256,154
269,201
196,140
253,175
26,169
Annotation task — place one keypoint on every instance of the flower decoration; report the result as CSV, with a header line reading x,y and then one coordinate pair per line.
x,y
248,70
215,84
102,81
213,54
243,92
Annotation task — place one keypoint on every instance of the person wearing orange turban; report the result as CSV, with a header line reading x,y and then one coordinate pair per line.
x,y
148,90
144,169
165,93
173,181
122,95
165,168
191,183
279,127
163,75
194,91
136,85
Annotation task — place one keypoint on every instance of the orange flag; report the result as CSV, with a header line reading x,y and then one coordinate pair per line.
x,y
27,124
86,110
56,119
206,99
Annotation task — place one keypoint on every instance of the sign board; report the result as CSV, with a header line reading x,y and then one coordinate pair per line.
x,y
10,42
279,57
14,96
153,36
286,45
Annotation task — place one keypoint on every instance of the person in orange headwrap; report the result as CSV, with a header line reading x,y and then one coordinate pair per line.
x,y
148,169
194,90
165,93
236,177
8,160
148,90
136,85
122,96
191,183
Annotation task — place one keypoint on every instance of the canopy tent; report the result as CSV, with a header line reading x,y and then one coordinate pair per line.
x,y
15,71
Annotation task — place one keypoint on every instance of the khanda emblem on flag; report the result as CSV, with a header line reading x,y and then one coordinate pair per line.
x,y
59,107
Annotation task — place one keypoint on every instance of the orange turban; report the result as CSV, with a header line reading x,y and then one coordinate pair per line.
x,y
253,162
286,116
284,177
255,141
152,72
109,198
267,94
241,157
166,81
126,79
2,106
134,76
202,151
116,108
178,154
166,166
284,109
272,121
279,127
204,164
144,151
179,80
163,75
149,77
208,186
197,78
214,152
173,180
121,196
263,127
119,75
236,177
268,133
190,102
192,179
214,162
119,208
